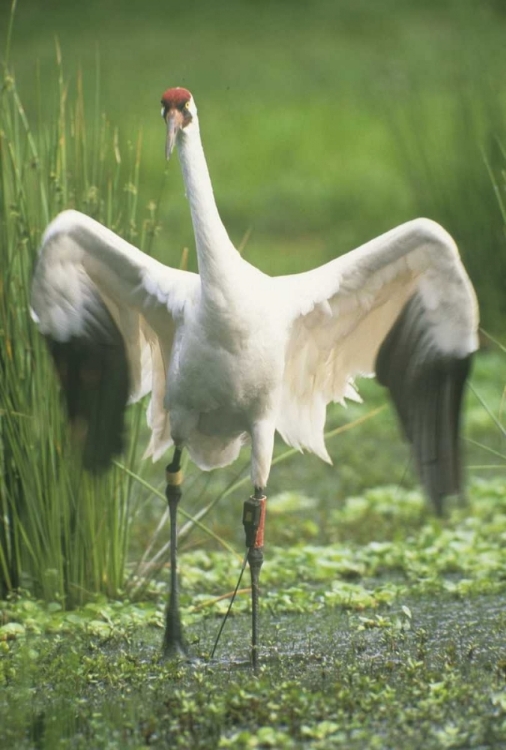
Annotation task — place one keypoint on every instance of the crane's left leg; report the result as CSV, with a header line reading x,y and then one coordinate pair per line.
x,y
254,523
262,444
173,642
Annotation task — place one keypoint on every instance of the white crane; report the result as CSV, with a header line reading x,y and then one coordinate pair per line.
x,y
232,353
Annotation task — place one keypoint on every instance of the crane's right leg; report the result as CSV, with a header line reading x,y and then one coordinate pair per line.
x,y
173,641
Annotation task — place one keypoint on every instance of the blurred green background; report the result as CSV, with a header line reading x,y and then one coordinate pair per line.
x,y
325,123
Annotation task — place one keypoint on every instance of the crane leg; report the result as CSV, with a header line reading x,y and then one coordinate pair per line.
x,y
254,524
173,642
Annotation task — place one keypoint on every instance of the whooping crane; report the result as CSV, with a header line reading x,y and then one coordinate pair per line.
x,y
232,353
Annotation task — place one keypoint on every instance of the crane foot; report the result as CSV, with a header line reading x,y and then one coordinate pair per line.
x,y
174,645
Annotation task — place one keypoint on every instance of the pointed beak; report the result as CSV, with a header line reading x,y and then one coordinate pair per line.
x,y
174,120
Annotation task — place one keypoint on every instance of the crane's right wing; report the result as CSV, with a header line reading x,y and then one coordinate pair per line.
x,y
401,307
108,312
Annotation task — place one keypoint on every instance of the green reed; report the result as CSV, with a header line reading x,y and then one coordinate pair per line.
x,y
63,534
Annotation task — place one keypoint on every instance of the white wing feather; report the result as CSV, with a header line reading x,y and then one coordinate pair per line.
x,y
80,258
346,309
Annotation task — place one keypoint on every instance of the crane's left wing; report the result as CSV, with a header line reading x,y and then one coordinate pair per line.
x,y
401,307
109,314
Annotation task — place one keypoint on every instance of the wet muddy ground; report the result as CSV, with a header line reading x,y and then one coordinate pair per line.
x,y
427,672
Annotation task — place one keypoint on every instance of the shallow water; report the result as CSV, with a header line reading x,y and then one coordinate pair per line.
x,y
427,672
471,631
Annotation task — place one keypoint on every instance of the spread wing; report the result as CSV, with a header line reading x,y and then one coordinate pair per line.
x,y
402,307
109,313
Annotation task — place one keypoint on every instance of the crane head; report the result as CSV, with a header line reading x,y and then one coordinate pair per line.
x,y
178,111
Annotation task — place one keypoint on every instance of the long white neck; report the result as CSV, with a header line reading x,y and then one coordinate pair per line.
x,y
215,251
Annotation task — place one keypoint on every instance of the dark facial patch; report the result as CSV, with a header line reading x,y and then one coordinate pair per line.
x,y
176,98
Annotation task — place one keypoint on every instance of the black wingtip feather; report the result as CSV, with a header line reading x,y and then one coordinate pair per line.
x,y
93,371
427,390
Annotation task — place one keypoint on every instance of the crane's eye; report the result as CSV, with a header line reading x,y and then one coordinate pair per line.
x,y
187,105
